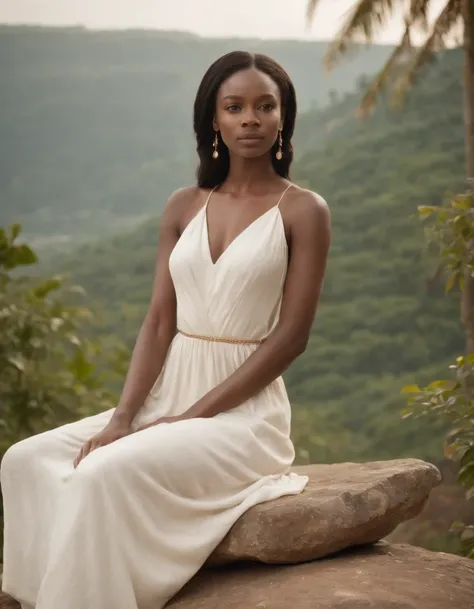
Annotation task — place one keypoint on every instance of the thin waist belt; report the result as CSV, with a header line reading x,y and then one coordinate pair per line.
x,y
221,339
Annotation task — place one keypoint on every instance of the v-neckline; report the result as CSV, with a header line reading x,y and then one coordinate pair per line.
x,y
237,237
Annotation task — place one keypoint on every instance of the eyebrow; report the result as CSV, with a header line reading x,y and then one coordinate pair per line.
x,y
240,97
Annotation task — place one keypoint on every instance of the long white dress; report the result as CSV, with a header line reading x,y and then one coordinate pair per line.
x,y
137,518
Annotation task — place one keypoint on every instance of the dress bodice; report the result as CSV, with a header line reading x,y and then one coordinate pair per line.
x,y
238,296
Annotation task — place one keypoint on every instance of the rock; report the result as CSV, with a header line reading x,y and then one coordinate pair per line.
x,y
374,577
6,602
381,576
343,505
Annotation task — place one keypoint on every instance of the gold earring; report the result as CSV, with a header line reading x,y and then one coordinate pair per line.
x,y
279,153
215,154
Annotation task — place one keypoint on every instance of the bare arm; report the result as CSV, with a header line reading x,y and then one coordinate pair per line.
x,y
156,333
310,232
159,325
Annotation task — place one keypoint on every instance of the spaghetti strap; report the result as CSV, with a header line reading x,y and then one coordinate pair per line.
x,y
208,197
283,194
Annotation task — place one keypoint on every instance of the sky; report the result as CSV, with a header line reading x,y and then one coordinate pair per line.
x,y
214,18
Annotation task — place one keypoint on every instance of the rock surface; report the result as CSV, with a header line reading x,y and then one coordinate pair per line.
x,y
343,505
381,576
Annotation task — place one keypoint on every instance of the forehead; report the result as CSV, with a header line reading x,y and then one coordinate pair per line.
x,y
249,84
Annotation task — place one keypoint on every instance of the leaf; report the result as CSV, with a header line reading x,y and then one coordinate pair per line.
x,y
427,210
48,286
457,527
17,361
74,340
451,282
462,202
80,366
470,494
410,389
15,230
77,289
468,533
442,385
467,461
56,323
22,255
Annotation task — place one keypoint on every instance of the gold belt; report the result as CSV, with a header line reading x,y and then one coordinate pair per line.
x,y
221,339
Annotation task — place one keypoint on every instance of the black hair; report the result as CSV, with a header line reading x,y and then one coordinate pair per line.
x,y
212,172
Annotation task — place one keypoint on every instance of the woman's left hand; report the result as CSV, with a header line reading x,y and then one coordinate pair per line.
x,y
162,420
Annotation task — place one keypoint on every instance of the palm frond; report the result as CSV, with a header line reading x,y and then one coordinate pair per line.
x,y
311,7
363,22
369,17
440,30
380,81
417,14
415,17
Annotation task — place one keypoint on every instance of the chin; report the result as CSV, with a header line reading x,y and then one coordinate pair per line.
x,y
253,154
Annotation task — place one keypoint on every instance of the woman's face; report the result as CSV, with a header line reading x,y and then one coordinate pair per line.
x,y
248,113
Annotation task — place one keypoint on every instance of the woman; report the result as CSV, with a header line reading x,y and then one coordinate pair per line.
x,y
120,510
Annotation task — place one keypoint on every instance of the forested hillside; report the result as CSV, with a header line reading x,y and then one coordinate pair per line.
x,y
96,126
382,323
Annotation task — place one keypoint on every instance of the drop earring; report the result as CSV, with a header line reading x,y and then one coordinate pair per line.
x,y
215,153
279,153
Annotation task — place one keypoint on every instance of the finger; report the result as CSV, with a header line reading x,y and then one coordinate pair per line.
x,y
86,449
78,459
93,446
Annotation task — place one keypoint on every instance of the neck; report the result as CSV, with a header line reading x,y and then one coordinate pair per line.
x,y
250,174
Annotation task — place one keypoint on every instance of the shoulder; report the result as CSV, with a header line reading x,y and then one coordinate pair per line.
x,y
305,207
183,204
182,197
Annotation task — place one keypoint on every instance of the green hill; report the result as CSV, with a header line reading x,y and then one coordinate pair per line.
x,y
96,126
380,325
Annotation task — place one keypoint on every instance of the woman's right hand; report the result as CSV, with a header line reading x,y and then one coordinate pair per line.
x,y
113,431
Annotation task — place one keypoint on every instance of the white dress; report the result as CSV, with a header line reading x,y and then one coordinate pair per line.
x,y
137,518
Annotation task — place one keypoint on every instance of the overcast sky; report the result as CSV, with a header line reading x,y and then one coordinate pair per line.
x,y
222,18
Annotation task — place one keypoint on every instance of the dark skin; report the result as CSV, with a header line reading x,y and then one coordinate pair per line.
x,y
247,103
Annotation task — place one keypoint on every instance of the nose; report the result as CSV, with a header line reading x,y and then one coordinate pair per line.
x,y
250,119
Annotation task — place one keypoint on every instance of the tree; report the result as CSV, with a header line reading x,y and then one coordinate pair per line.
x,y
49,373
452,232
365,20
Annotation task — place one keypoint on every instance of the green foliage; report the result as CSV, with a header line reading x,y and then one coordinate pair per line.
x,y
452,231
453,401
12,255
48,372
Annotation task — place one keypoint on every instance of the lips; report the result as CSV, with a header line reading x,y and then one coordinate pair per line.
x,y
250,136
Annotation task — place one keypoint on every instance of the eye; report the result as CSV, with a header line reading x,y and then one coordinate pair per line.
x,y
268,107
233,108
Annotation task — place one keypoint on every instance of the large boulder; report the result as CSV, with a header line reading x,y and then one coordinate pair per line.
x,y
381,576
343,505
